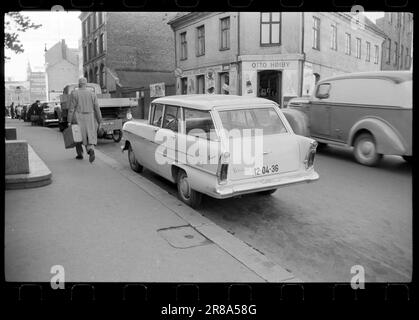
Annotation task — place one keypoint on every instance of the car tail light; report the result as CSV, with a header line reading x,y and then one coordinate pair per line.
x,y
309,161
223,167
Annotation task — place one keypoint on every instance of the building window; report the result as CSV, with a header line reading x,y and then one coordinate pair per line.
x,y
96,75
316,33
334,37
389,51
368,57
391,17
100,18
376,54
102,76
90,51
401,57
102,43
88,25
96,47
200,84
407,61
85,58
270,28
224,83
225,33
94,20
84,29
200,41
183,46
396,53
348,44
358,48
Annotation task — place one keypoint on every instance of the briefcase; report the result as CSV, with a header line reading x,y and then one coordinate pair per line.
x,y
72,136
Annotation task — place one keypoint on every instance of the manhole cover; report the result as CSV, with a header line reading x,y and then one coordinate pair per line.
x,y
183,237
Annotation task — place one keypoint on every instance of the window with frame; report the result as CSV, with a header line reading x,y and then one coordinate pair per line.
x,y
184,85
225,33
323,91
396,53
348,44
94,21
200,84
358,48
368,56
183,46
270,28
198,123
389,51
200,40
101,43
407,60
334,37
90,51
316,33
376,54
96,52
157,115
224,83
401,56
100,18
85,58
172,118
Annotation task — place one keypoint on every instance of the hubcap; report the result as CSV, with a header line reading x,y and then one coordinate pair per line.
x,y
366,149
184,187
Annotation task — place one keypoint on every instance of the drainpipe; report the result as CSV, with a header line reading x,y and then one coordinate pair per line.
x,y
239,70
300,87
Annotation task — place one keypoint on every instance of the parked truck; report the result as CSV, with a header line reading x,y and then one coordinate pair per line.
x,y
115,111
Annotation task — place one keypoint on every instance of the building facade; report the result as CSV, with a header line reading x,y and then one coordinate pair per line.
x,y
126,52
398,46
276,55
17,92
37,84
61,66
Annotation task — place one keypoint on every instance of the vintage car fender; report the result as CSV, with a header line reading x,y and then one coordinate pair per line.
x,y
298,121
387,138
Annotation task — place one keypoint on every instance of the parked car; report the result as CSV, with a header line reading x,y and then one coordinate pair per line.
x,y
200,126
369,111
49,115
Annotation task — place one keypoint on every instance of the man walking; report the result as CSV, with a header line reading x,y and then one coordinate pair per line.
x,y
84,110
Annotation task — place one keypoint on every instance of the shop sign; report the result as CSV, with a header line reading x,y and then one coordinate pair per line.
x,y
270,65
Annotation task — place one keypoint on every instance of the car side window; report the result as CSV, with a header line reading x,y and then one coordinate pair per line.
x,y
172,118
157,115
323,91
199,123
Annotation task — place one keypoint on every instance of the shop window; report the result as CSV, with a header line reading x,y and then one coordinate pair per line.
x,y
200,84
184,85
224,83
270,28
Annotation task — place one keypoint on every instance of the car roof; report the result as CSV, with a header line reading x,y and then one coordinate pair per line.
x,y
209,101
395,76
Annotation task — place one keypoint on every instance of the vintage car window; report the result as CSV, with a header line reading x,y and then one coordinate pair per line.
x,y
266,119
199,123
172,118
323,91
157,115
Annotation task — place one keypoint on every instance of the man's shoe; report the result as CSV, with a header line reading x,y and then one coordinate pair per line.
x,y
79,156
91,153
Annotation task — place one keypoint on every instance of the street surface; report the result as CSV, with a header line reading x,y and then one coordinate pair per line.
x,y
354,215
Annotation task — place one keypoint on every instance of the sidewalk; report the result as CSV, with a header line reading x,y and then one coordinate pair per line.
x,y
101,225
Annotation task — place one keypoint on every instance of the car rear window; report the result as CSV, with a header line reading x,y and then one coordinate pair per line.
x,y
266,119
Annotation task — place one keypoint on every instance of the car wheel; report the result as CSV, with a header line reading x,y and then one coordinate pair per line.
x,y
117,135
408,159
133,162
189,196
365,150
267,192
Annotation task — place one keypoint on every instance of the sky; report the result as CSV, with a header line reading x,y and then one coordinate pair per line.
x,y
55,26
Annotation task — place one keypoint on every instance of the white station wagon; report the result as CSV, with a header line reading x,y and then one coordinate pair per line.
x,y
219,145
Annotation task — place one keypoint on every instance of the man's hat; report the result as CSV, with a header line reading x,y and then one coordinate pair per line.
x,y
82,80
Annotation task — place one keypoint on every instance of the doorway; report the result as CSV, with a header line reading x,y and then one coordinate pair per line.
x,y
270,85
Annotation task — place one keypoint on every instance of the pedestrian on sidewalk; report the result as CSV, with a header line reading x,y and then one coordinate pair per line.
x,y
84,110
12,110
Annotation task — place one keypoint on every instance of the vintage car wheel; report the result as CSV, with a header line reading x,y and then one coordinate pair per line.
x,y
185,192
365,150
408,159
117,135
133,162
267,192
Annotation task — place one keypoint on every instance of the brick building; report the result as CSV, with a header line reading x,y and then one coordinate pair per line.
x,y
397,48
276,55
125,52
61,66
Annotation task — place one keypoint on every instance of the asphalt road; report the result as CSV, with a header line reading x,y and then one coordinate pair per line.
x,y
354,215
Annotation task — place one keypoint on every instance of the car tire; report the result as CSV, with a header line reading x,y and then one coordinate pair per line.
x,y
408,159
321,145
117,135
365,150
133,162
267,192
185,193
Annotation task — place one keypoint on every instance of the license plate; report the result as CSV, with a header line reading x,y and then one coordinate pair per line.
x,y
268,169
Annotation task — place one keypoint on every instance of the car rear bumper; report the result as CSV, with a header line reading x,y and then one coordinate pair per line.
x,y
263,183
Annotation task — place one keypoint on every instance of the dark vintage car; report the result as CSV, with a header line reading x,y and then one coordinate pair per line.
x,y
49,114
369,111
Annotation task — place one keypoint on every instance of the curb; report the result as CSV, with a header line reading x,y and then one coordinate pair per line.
x,y
242,252
39,174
